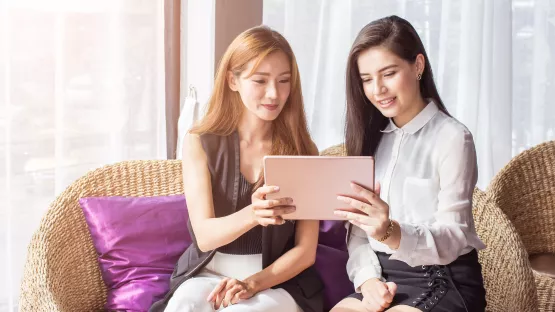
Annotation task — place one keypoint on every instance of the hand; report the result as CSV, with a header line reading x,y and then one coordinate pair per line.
x,y
230,291
370,214
269,211
377,295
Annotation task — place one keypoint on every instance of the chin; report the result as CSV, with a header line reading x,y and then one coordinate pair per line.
x,y
268,117
389,112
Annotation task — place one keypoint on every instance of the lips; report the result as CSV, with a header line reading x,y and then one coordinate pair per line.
x,y
270,107
385,103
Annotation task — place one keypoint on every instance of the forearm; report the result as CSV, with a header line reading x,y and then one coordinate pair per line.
x,y
212,233
363,263
283,269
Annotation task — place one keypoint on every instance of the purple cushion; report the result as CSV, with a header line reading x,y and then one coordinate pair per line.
x,y
331,262
333,234
138,241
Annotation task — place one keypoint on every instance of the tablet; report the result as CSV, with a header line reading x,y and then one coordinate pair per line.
x,y
315,181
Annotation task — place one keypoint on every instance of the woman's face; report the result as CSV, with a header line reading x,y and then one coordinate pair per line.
x,y
391,84
265,92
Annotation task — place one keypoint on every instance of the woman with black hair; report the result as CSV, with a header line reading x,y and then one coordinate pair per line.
x,y
412,242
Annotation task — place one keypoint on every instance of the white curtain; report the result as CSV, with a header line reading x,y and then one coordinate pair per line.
x,y
81,86
493,61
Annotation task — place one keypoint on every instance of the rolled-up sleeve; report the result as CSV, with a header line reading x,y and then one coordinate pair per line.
x,y
363,263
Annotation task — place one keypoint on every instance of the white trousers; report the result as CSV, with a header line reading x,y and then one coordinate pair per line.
x,y
191,295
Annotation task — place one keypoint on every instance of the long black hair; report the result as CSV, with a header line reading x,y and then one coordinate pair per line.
x,y
363,120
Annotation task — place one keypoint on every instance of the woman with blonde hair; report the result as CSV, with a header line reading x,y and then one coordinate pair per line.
x,y
244,256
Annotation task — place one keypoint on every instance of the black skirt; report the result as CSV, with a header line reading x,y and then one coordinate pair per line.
x,y
455,287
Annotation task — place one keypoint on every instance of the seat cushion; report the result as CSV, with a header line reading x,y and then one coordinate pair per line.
x,y
544,264
138,241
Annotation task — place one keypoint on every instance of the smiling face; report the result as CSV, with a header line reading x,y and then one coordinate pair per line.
x,y
265,92
391,84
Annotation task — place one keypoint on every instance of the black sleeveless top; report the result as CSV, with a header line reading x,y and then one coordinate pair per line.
x,y
249,243
230,194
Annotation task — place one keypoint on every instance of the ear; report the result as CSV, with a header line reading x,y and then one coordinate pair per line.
x,y
419,63
232,81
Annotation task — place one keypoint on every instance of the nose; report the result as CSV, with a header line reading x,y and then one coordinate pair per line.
x,y
379,88
271,91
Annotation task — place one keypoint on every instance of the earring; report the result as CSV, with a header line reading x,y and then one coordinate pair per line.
x,y
419,77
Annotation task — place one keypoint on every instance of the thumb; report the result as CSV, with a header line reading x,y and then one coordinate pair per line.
x,y
392,288
377,188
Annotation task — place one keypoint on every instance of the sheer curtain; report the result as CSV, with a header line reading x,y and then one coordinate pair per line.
x,y
81,85
493,63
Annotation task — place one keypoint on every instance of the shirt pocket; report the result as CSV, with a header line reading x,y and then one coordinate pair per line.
x,y
420,198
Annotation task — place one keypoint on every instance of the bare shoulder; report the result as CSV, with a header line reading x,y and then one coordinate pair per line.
x,y
192,148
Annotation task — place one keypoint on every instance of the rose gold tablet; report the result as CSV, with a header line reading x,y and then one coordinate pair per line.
x,y
315,181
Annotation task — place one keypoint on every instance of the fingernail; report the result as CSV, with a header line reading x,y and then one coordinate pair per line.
x,y
341,198
339,213
356,187
276,188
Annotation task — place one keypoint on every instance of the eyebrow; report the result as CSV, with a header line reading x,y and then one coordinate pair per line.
x,y
267,74
381,70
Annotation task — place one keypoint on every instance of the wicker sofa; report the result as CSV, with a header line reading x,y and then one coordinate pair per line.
x,y
62,274
525,190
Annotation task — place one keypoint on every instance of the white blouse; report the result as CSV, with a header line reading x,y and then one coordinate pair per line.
x,y
427,170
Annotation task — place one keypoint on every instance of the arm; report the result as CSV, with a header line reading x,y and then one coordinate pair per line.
x,y
442,241
293,262
196,180
296,260
363,264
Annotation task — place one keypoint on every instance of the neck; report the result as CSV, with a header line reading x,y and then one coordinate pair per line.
x,y
253,129
414,109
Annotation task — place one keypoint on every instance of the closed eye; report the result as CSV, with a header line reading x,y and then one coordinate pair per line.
x,y
389,74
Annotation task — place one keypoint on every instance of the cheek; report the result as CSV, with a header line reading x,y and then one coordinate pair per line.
x,y
368,90
402,84
250,93
284,91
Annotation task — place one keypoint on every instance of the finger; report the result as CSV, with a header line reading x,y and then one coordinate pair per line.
x,y
242,295
262,191
271,221
274,212
392,287
235,298
369,229
376,296
371,197
221,285
218,301
370,304
357,204
384,293
221,295
272,203
362,218
230,294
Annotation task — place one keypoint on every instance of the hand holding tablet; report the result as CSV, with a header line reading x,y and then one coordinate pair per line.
x,y
314,182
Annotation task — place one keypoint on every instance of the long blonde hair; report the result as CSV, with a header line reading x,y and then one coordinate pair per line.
x,y
290,131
